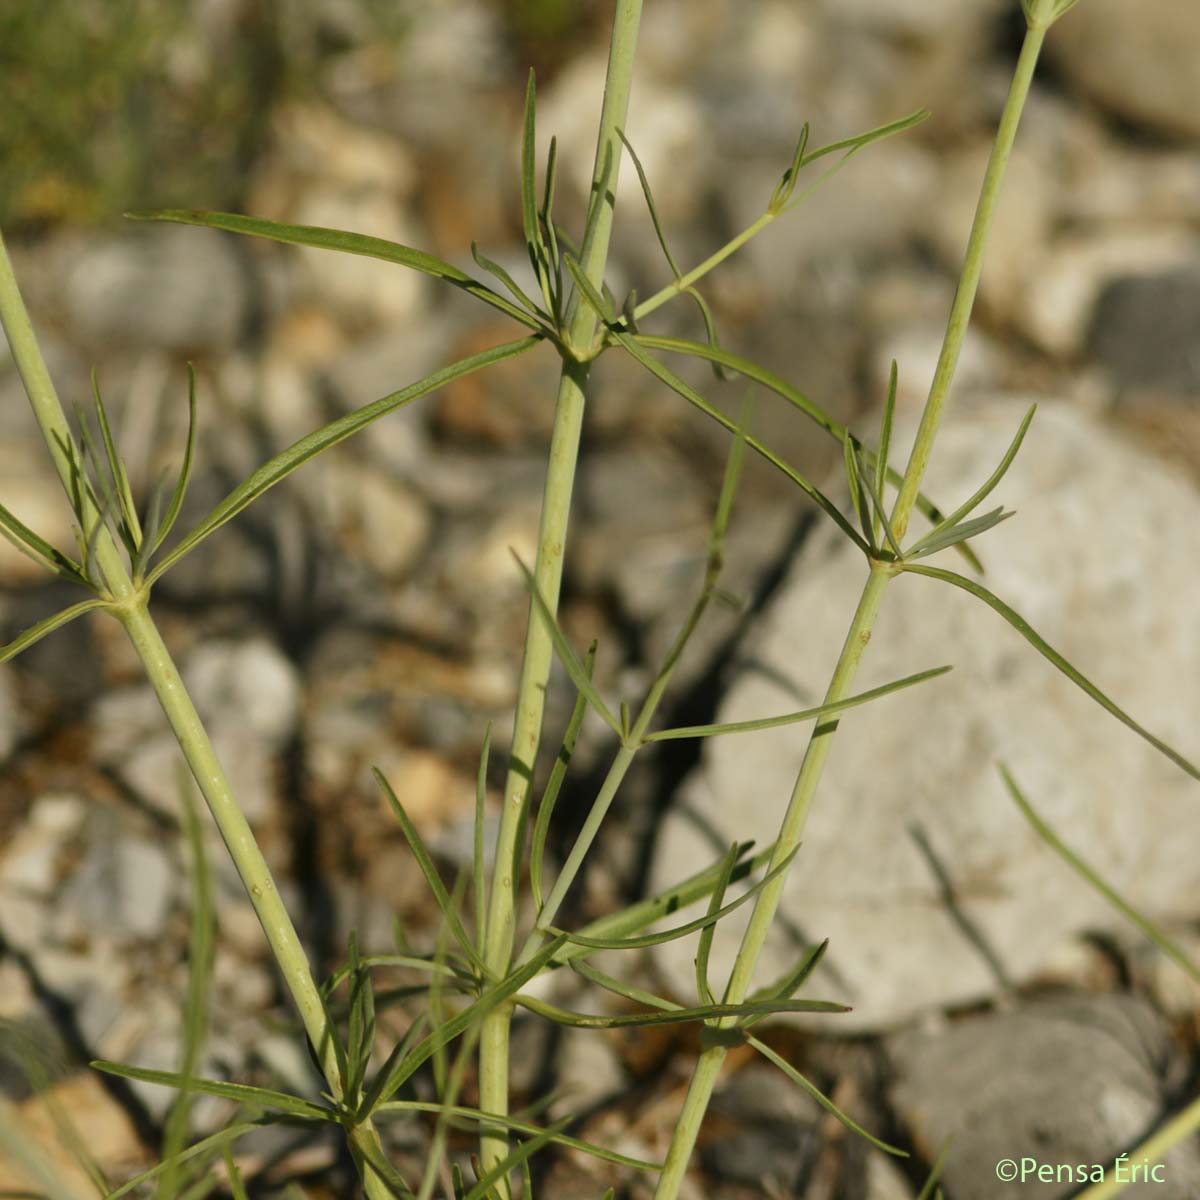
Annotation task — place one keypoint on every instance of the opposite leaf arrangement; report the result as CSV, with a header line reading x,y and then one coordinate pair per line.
x,y
476,976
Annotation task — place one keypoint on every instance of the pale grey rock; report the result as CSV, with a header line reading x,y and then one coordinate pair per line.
x,y
918,19
124,887
1060,297
33,857
1104,543
172,287
1138,62
1067,1080
1144,331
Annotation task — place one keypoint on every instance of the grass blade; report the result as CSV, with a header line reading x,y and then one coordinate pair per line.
x,y
1081,868
243,1093
819,1096
429,870
35,633
1052,656
342,240
562,760
308,447
574,668
808,714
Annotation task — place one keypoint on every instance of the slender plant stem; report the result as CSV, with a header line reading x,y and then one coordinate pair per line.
x,y
708,1066
968,283
130,607
547,572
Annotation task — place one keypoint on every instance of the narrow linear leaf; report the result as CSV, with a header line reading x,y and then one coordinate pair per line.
x,y
308,447
787,182
201,960
774,383
428,869
678,1016
108,502
1052,656
670,935
243,1093
636,351
342,240
479,1117
819,1096
185,471
927,1189
372,1154
788,985
1093,877
539,255
880,518
858,141
670,900
858,493
562,760
600,302
710,330
236,1187
572,665
704,946
625,990
116,466
650,205
35,633
225,1137
38,549
400,1066
479,854
518,293
989,484
952,535
483,1189
808,714
885,440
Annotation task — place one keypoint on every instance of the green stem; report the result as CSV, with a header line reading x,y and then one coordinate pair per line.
x,y
708,1066
968,284
131,609
547,571
678,286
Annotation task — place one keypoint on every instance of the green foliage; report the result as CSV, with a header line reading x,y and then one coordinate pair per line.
x,y
471,981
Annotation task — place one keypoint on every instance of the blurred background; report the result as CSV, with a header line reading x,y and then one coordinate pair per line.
x,y
367,612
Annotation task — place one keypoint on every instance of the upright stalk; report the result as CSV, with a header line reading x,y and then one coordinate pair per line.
x,y
821,741
548,565
130,605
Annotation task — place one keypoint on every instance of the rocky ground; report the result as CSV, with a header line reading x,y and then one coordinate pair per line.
x,y
367,613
